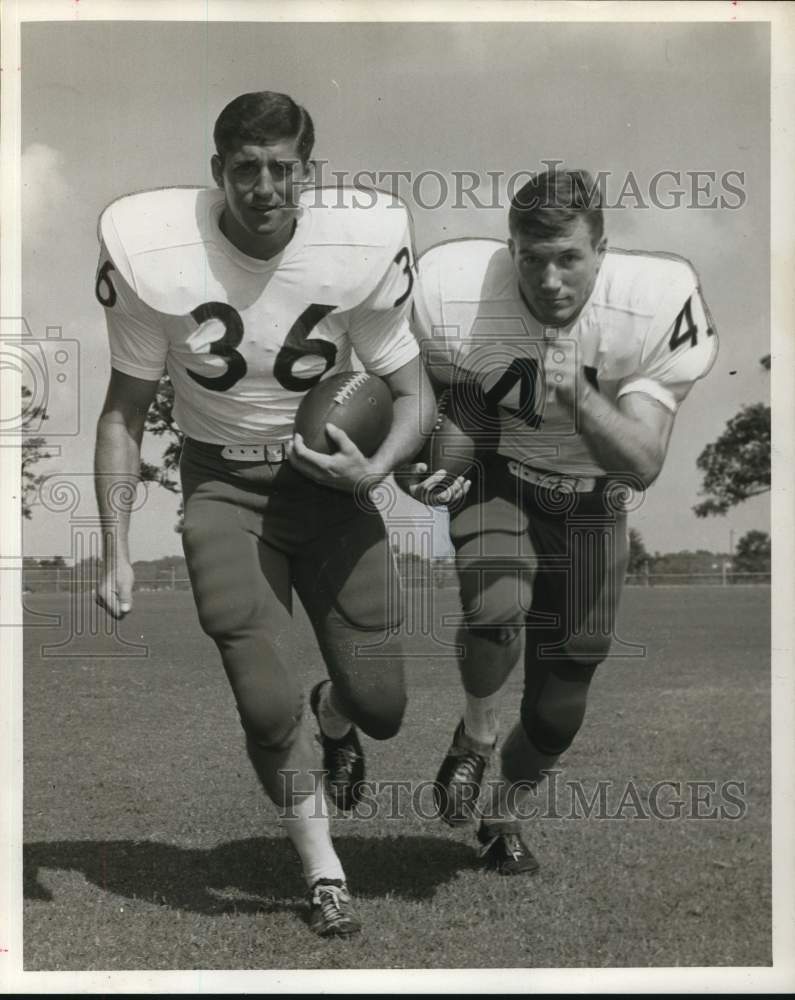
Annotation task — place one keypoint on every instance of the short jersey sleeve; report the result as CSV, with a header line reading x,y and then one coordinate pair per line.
x,y
427,320
379,327
138,344
427,314
674,360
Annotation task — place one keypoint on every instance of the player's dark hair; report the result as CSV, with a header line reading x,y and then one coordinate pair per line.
x,y
550,203
261,118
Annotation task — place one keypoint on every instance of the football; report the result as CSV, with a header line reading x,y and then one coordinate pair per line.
x,y
358,403
466,426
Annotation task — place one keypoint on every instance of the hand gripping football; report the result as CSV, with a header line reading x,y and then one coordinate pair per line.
x,y
358,403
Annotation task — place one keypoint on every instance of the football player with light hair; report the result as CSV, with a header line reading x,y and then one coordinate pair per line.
x,y
247,296
578,355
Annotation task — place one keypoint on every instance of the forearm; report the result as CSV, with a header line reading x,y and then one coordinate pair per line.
x,y
411,413
116,469
617,442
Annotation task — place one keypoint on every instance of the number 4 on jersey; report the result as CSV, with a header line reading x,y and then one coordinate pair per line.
x,y
685,329
525,372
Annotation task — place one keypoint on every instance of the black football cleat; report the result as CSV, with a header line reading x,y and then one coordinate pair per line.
x,y
331,910
343,760
504,852
457,787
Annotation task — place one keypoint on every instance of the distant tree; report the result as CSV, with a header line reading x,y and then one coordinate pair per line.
x,y
57,562
736,467
686,562
752,554
160,422
33,450
638,556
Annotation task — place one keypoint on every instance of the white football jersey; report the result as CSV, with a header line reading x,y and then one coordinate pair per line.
x,y
644,328
244,339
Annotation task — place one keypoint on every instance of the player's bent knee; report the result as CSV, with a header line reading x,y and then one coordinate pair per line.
x,y
383,728
587,651
270,714
489,655
382,719
553,717
271,735
224,617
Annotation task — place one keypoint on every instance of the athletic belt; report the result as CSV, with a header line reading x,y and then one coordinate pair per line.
x,y
553,480
273,453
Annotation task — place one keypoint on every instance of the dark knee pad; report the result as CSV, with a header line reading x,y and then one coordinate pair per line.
x,y
378,717
383,727
270,733
490,654
275,741
586,651
553,711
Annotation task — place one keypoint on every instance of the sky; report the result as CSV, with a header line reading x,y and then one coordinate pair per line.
x,y
114,107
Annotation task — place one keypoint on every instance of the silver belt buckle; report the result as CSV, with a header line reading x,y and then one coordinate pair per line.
x,y
253,452
557,481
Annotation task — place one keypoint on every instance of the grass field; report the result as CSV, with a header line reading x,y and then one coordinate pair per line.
x,y
148,844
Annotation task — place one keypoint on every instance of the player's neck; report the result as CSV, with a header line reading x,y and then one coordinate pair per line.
x,y
258,247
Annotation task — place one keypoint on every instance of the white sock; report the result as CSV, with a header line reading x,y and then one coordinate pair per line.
x,y
306,824
332,722
480,717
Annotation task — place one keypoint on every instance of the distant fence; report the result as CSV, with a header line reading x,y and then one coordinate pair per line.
x,y
696,579
64,579
444,576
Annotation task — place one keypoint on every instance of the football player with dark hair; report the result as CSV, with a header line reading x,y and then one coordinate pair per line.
x,y
247,296
581,355
261,117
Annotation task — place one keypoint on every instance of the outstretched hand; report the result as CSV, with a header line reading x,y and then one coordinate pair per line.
x,y
433,490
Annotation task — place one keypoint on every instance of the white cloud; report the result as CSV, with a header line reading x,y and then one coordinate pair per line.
x,y
47,196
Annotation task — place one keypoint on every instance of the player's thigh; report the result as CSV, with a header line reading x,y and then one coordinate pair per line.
x,y
349,585
243,597
495,561
350,569
236,580
580,586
